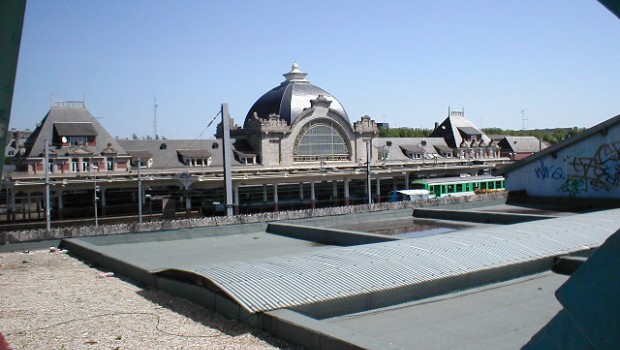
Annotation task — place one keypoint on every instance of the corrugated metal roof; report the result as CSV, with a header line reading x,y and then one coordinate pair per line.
x,y
276,282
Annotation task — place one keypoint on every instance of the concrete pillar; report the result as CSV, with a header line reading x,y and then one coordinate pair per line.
x,y
378,190
276,207
312,195
334,192
346,192
265,198
406,181
236,199
301,191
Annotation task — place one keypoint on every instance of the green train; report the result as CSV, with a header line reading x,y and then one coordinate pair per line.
x,y
460,186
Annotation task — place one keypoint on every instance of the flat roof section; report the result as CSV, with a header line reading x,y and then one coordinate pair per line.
x,y
499,316
184,249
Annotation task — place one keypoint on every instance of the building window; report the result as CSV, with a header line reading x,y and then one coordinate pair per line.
x,y
77,140
321,140
75,165
110,164
85,165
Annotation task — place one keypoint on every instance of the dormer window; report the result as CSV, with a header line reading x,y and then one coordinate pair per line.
x,y
75,134
194,157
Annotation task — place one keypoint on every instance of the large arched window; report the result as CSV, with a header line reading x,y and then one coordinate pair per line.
x,y
321,140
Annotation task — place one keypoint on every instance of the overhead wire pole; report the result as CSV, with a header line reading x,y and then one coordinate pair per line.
x,y
139,191
47,187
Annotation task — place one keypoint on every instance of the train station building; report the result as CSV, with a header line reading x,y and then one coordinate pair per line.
x,y
297,148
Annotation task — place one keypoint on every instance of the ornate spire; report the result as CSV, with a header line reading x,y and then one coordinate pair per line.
x,y
296,75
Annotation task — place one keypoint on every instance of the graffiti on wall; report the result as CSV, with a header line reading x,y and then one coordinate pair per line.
x,y
599,172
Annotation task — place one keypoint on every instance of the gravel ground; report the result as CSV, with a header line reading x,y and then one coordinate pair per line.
x,y
50,300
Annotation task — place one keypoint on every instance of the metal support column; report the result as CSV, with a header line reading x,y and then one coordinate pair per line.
x,y
226,149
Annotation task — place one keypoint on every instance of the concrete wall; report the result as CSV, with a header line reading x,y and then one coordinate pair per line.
x,y
9,237
477,216
587,169
330,236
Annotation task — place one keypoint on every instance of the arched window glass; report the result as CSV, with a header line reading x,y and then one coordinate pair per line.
x,y
321,140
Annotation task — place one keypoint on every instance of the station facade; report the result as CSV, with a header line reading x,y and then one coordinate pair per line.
x,y
297,148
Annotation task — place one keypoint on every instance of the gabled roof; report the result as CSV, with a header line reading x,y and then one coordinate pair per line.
x,y
452,127
599,128
73,121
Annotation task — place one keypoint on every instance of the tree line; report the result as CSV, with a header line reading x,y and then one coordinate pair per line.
x,y
550,136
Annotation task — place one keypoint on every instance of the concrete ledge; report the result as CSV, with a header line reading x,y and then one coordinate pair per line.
x,y
328,236
476,216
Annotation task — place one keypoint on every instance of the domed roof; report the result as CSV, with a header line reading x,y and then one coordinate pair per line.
x,y
291,97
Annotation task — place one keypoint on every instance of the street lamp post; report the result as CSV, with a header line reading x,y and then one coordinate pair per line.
x,y
94,167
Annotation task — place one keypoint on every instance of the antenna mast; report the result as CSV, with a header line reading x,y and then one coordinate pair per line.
x,y
155,116
523,119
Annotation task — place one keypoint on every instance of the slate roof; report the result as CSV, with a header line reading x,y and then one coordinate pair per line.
x,y
72,120
75,129
165,152
521,144
396,145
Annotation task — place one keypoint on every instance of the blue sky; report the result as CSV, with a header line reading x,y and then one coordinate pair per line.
x,y
401,62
